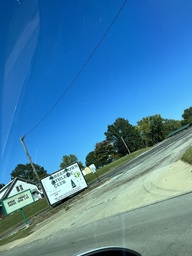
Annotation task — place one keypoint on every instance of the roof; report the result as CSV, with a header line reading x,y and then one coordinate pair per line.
x,y
179,130
4,192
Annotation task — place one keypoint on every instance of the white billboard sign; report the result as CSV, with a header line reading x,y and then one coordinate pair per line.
x,y
64,183
18,201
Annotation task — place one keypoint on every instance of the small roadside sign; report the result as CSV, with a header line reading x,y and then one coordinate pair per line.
x,y
18,201
92,167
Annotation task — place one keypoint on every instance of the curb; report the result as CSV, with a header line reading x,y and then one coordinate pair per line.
x,y
150,204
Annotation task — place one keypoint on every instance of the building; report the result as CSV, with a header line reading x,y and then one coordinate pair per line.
x,y
187,126
86,171
16,186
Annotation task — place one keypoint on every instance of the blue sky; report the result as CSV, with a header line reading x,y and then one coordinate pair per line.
x,y
143,67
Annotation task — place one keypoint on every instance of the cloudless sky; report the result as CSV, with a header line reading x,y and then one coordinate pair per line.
x,y
143,67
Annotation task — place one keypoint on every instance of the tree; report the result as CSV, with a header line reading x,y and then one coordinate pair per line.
x,y
151,129
187,116
170,125
124,136
144,128
68,160
2,185
104,153
91,159
25,171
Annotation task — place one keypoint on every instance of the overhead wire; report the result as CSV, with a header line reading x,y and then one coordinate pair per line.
x,y
80,71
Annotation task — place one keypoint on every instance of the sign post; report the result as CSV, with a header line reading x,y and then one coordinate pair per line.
x,y
24,217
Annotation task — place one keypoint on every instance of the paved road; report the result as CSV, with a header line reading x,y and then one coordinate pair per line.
x,y
161,229
178,143
163,153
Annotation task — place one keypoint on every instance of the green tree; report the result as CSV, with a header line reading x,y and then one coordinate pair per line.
x,y
91,159
151,129
104,153
170,125
124,136
144,128
2,185
25,171
187,116
70,159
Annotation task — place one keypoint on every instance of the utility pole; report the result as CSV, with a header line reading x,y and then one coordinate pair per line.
x,y
125,145
33,167
120,133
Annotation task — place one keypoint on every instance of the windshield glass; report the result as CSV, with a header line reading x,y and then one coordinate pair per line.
x,y
95,116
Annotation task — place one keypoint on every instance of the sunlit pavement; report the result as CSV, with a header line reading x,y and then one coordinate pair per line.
x,y
157,176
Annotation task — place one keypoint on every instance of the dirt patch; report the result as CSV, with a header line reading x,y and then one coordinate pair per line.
x,y
174,177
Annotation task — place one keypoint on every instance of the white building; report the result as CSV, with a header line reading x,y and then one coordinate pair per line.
x,y
16,186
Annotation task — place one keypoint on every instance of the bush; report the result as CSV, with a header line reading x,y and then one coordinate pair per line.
x,y
187,157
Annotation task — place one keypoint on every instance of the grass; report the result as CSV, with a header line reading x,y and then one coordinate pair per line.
x,y
14,220
187,156
21,234
91,177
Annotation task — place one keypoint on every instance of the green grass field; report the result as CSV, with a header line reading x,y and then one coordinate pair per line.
x,y
187,156
91,177
12,220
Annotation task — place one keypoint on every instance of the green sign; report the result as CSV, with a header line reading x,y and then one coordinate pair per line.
x,y
18,201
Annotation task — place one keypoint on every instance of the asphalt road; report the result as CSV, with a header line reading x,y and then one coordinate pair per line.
x,y
166,152
161,229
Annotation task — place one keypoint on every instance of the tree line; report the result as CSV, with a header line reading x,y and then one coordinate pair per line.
x,y
121,138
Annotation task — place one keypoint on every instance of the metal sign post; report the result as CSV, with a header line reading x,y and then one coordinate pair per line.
x,y
24,217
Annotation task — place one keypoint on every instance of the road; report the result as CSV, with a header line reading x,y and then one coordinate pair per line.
x,y
163,153
103,217
161,229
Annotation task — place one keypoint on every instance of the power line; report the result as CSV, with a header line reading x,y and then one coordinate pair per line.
x,y
81,69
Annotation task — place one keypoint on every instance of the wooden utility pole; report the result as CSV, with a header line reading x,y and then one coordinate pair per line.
x,y
120,133
125,145
33,167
